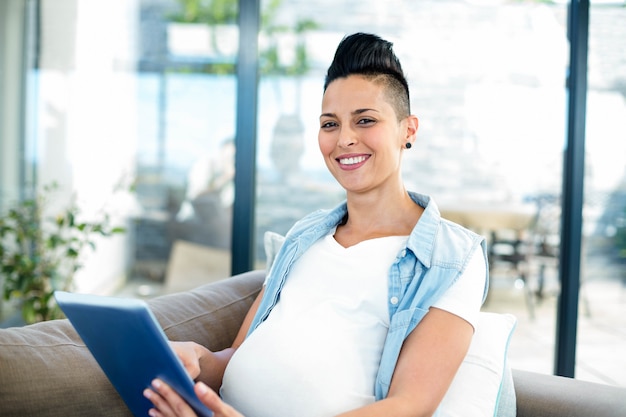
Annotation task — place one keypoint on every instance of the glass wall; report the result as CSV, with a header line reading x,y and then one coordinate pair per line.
x,y
295,46
16,55
13,84
602,322
133,115
186,99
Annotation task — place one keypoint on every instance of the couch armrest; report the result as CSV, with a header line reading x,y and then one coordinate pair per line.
x,y
46,370
542,395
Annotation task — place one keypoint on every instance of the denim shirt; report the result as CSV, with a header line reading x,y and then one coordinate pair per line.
x,y
436,254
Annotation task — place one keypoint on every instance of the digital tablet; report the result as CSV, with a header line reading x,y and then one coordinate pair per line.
x,y
130,346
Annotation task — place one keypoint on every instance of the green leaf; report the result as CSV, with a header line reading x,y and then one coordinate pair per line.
x,y
39,254
70,218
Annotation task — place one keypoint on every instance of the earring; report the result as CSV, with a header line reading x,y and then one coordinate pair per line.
x,y
408,145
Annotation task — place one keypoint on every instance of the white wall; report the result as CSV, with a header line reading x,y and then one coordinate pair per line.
x,y
87,119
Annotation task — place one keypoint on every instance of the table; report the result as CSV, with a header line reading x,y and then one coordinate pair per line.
x,y
505,226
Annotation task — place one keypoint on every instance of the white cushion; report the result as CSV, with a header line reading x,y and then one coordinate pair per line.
x,y
272,242
477,386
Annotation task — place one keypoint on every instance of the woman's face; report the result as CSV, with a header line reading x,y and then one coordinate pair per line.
x,y
360,136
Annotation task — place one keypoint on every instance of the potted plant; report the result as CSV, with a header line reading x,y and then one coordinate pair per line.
x,y
40,254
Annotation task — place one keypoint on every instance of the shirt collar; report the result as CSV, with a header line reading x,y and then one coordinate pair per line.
x,y
422,239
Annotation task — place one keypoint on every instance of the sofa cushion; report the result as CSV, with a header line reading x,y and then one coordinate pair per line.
x,y
556,396
210,314
477,388
46,370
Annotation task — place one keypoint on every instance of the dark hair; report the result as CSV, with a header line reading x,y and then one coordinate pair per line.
x,y
372,57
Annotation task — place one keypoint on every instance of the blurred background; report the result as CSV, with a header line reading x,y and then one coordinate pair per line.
x,y
132,105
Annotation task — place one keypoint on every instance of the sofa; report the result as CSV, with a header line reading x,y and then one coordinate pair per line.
x,y
45,369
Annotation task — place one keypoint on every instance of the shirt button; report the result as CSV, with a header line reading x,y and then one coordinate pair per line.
x,y
394,300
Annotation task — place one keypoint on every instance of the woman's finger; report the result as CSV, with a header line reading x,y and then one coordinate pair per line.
x,y
161,408
214,402
167,402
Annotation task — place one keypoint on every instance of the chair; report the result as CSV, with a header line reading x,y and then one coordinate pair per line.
x,y
511,250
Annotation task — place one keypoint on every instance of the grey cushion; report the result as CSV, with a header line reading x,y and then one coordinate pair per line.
x,y
45,369
540,395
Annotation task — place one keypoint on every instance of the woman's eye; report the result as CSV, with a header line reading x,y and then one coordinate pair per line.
x,y
327,125
365,121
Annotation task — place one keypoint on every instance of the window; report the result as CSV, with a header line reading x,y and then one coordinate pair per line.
x,y
603,270
138,119
15,57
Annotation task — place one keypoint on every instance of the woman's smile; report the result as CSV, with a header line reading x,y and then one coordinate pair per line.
x,y
350,162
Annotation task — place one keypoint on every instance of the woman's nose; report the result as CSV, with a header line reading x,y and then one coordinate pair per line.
x,y
347,137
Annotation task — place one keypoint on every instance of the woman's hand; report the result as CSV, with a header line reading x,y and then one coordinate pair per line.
x,y
167,402
190,354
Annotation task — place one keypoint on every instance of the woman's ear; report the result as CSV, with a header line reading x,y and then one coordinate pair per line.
x,y
411,128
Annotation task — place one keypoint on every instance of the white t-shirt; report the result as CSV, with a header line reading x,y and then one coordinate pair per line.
x,y
318,352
